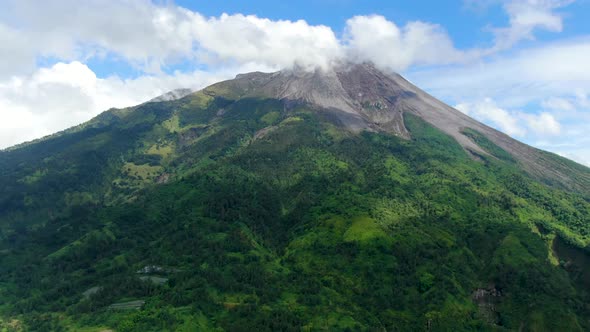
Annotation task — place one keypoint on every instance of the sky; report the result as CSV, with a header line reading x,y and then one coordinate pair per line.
x,y
520,66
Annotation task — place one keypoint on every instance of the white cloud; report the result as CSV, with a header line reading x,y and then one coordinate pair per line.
x,y
137,30
556,103
511,122
543,124
381,41
526,16
149,35
487,111
276,43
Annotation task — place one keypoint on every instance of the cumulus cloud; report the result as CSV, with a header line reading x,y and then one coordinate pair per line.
x,y
136,30
487,111
277,43
511,122
543,124
381,41
150,36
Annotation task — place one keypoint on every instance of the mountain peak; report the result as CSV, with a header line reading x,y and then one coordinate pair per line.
x,y
359,96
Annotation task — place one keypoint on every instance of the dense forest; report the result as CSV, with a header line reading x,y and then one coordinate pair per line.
x,y
218,213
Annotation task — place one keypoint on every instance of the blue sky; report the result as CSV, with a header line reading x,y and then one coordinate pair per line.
x,y
517,65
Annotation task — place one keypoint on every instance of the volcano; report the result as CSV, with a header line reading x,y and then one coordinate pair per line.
x,y
334,199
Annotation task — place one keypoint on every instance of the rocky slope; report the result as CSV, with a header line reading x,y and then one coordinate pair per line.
x,y
361,97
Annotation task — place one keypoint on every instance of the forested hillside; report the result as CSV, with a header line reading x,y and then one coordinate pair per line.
x,y
228,213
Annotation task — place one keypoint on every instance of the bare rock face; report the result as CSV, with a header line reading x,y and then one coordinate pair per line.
x,y
487,300
362,97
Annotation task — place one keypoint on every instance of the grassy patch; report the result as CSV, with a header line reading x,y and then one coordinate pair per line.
x,y
141,172
199,100
163,150
270,118
363,229
291,119
488,145
172,124
512,253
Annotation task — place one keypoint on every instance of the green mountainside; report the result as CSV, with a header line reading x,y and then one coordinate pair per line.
x,y
349,201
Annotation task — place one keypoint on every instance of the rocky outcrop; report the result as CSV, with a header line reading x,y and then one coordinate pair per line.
x,y
486,300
